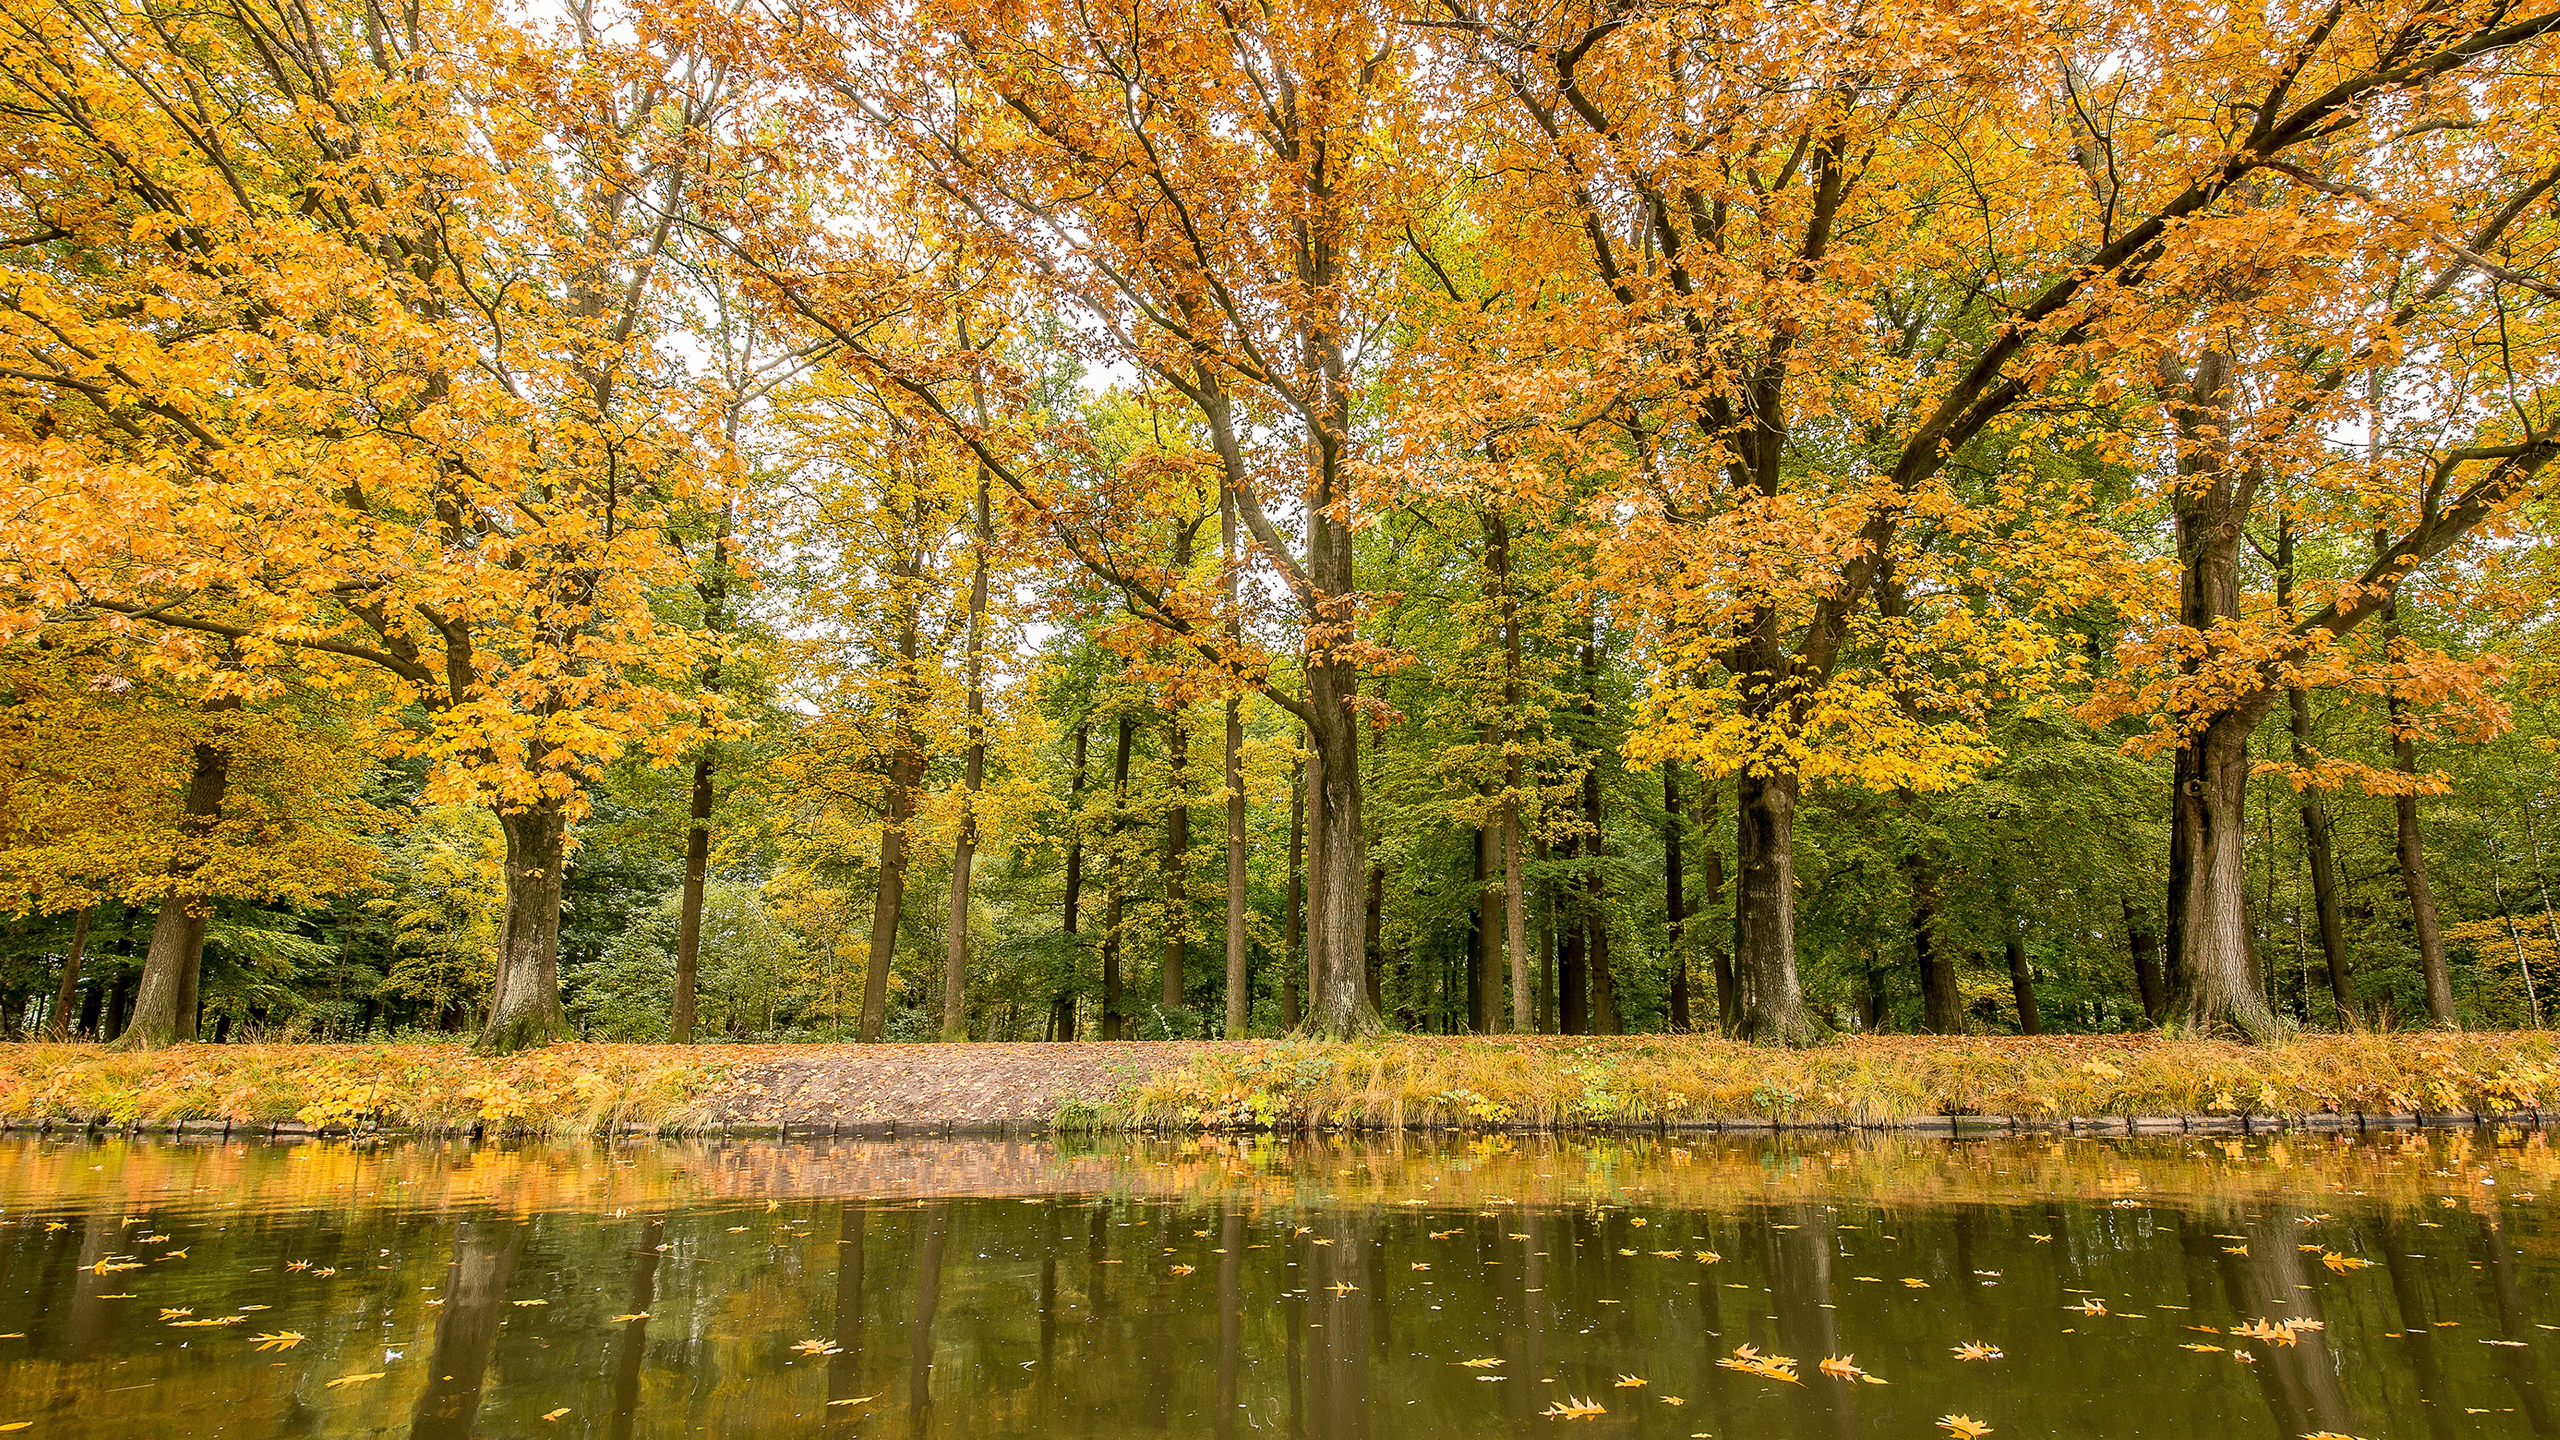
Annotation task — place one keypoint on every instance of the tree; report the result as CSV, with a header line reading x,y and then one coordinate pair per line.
x,y
346,336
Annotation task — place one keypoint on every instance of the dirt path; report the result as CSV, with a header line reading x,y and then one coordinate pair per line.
x,y
936,1087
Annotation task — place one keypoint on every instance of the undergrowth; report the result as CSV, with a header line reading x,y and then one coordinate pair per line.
x,y
1561,1082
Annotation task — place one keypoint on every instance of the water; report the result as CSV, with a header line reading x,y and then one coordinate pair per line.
x,y
1213,1288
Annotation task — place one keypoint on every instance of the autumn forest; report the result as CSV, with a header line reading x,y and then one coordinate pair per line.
x,y
1015,520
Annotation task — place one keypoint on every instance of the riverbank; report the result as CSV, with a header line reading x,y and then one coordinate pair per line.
x,y
1963,1084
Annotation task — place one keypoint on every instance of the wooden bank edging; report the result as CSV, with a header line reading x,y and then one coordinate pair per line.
x,y
1947,1126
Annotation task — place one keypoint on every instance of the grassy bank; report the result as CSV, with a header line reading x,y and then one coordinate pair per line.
x,y
563,1090
1551,1081
1540,1082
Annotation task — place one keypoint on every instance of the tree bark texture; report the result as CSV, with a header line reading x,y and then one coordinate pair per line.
x,y
164,1011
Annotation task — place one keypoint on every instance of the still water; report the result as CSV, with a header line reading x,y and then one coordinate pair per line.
x,y
2397,1286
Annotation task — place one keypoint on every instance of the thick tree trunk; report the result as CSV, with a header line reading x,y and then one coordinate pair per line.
x,y
58,1026
164,1013
1573,1014
1293,924
1114,1026
467,1328
1769,1000
1515,896
1337,946
1674,905
1062,1005
524,1004
1177,854
2213,979
2413,869
697,866
2146,963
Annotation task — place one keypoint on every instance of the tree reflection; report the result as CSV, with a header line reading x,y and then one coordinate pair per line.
x,y
475,1305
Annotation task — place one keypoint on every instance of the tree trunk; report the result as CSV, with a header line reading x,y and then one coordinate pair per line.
x,y
2315,812
1373,955
524,1004
1239,962
467,1328
1062,1016
964,851
1177,849
714,589
697,864
1113,1025
1941,1000
889,897
2146,963
164,1013
58,1026
906,769
1728,994
1674,906
2213,979
1515,896
2022,976
1337,948
1769,999
1487,990
1293,925
2413,853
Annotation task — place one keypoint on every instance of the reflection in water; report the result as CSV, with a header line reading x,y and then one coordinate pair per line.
x,y
1396,1291
473,1306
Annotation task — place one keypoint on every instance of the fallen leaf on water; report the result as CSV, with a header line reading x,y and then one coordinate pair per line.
x,y
1914,1283
110,1267
1707,1257
1630,1382
555,1414
1421,1265
2203,1349
280,1340
1571,1409
1626,1252
1487,1363
1184,1269
21,1424
1666,1254
1319,1240
345,1380
297,1264
1976,1350
520,1304
1442,1234
169,1314
2091,1306
214,1320
1750,1361
816,1347
634,1315
2344,1263
856,1400
1342,1287
2243,1249
2041,1239
1964,1426
2244,1357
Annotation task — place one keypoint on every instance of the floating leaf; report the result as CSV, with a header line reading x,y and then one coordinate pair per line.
x,y
1486,1363
1976,1350
816,1347
634,1315
555,1414
1630,1382
1571,1409
1184,1269
520,1304
1843,1367
280,1340
1965,1427
345,1380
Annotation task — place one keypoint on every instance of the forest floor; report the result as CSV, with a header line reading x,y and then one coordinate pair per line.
x,y
2094,1082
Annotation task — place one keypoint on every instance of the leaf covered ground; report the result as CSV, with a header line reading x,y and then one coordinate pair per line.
x,y
1544,1081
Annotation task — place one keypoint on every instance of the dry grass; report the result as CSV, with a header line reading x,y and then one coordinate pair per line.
x,y
562,1090
1557,1082
1541,1082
